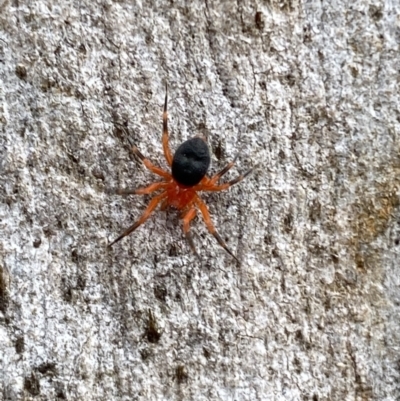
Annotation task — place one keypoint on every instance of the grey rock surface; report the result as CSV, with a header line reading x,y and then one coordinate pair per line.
x,y
308,94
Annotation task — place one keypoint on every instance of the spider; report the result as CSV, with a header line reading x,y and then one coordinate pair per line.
x,y
180,187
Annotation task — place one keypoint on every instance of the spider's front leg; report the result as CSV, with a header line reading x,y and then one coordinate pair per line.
x,y
141,191
146,214
187,218
210,226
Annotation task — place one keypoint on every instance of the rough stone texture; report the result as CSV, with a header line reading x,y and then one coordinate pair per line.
x,y
308,92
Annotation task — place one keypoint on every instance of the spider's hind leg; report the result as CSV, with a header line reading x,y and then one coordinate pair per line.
x,y
215,178
211,186
165,139
239,178
154,169
150,166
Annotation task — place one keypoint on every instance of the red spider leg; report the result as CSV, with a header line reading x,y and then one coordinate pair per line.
x,y
188,217
164,205
142,191
214,179
207,185
167,150
146,214
210,226
154,169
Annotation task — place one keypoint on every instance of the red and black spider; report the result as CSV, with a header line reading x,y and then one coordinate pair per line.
x,y
180,188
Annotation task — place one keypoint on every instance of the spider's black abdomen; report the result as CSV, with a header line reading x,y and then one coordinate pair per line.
x,y
191,162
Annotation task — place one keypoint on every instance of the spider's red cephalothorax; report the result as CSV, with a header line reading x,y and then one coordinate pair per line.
x,y
180,188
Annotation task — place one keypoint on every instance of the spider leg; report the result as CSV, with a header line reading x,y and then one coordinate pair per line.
x,y
239,178
146,162
141,191
217,176
164,205
150,166
210,226
188,217
167,150
212,187
146,214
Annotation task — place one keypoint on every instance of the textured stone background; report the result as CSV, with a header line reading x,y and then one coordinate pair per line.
x,y
308,93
